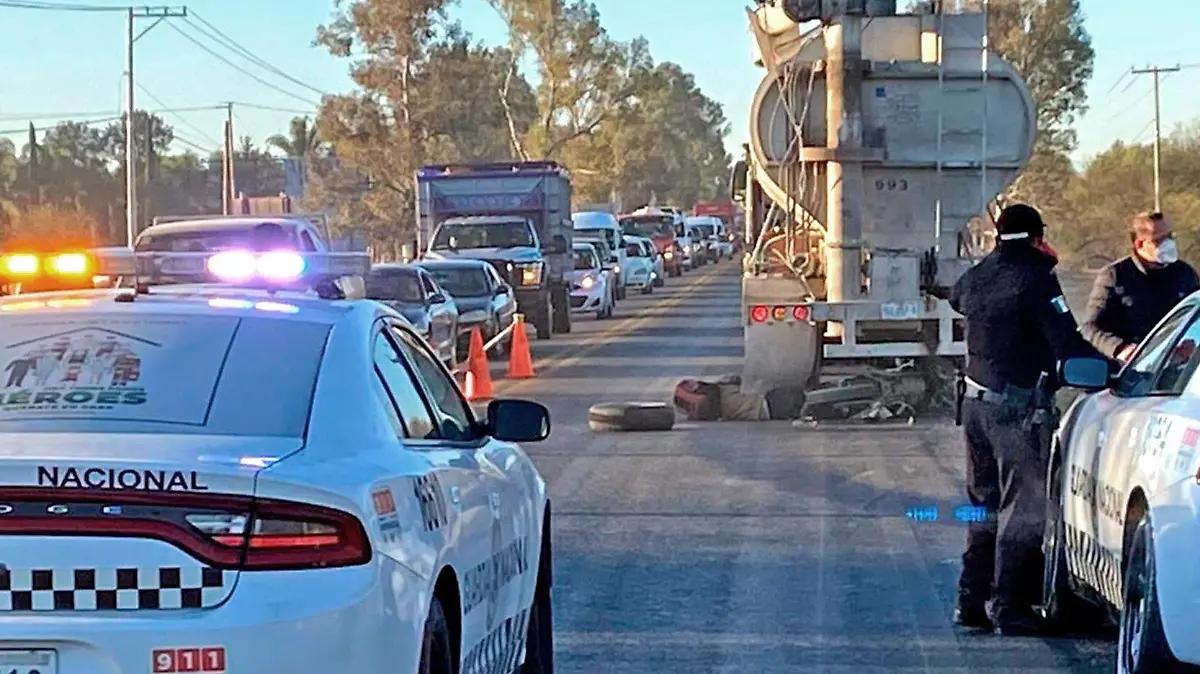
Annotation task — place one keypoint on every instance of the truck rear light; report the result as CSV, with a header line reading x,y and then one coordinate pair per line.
x,y
759,314
800,313
779,313
221,531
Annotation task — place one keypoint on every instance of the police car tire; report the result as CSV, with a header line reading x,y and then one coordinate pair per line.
x,y
1141,581
1064,609
617,417
539,635
436,658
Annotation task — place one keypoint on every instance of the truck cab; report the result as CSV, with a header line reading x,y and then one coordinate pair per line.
x,y
658,226
511,245
600,226
516,215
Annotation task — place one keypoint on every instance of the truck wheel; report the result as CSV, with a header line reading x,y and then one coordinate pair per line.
x,y
621,292
561,306
544,321
607,417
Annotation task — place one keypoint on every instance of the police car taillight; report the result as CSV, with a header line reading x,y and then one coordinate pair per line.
x,y
284,535
221,531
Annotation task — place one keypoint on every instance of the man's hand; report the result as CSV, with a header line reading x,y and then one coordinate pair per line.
x,y
1126,352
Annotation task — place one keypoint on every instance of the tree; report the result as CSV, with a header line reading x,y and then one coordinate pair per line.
x,y
583,75
300,141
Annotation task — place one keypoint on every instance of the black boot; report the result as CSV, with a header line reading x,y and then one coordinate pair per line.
x,y
973,616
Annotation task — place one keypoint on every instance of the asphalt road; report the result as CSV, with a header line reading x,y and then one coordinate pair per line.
x,y
747,547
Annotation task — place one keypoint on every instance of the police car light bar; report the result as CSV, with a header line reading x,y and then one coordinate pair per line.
x,y
234,266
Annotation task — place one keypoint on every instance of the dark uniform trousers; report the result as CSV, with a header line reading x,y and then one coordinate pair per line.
x,y
1006,474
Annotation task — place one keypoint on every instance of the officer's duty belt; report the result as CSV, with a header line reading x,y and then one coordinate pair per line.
x,y
1012,394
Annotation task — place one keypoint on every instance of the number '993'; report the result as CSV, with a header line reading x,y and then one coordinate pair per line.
x,y
892,185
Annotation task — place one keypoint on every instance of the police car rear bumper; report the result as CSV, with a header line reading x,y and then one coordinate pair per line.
x,y
301,622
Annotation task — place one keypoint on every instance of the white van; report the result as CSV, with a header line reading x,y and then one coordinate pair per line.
x,y
602,226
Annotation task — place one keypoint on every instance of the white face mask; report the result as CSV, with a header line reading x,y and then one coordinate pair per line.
x,y
1166,252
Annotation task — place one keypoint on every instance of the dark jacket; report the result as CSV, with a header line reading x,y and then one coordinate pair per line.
x,y
1018,322
1128,300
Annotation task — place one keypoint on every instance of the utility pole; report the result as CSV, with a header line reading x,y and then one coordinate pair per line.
x,y
131,192
1156,72
843,123
227,176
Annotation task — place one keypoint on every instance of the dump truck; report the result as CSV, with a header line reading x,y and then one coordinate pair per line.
x,y
878,141
514,215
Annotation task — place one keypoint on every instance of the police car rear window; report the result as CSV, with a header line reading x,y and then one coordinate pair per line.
x,y
220,375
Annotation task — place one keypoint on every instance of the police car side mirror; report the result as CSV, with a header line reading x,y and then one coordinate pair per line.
x,y
518,421
1088,374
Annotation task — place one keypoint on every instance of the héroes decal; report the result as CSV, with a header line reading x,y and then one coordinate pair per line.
x,y
71,477
84,369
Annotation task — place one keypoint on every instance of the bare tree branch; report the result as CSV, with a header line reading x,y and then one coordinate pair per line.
x,y
513,136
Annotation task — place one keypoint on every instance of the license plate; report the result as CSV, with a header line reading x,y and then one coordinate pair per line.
x,y
28,662
900,311
183,266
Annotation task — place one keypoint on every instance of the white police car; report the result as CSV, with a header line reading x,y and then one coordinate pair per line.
x,y
1123,534
233,478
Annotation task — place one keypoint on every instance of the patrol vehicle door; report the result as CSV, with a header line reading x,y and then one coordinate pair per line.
x,y
492,586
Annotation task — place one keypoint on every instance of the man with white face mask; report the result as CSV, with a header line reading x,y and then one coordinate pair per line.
x,y
1133,294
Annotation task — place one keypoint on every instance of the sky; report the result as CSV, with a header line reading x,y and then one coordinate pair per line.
x,y
68,65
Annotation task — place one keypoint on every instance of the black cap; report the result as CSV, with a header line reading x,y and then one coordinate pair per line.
x,y
1018,220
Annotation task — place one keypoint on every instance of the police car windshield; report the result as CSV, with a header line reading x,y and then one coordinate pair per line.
x,y
206,374
483,235
225,238
394,285
462,282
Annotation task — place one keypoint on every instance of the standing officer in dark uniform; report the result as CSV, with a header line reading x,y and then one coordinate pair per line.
x,y
1134,293
1018,326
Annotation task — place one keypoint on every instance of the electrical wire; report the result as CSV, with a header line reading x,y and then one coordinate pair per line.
x,y
231,44
235,66
70,116
61,7
179,117
271,108
82,122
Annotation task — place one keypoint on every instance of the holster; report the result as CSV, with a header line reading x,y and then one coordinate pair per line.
x,y
960,394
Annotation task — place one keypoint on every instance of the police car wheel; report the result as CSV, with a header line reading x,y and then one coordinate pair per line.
x,y
1062,607
539,635
618,417
1141,644
436,653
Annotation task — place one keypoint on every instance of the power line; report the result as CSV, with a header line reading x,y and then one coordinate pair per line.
x,y
177,116
61,7
230,43
236,67
271,108
70,116
82,122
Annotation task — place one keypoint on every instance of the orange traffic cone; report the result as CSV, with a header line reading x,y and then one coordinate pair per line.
x,y
520,361
479,374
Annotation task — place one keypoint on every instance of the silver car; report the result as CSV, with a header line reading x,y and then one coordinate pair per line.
x,y
411,291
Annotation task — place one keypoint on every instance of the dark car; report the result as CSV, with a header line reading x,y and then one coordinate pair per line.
x,y
484,300
411,291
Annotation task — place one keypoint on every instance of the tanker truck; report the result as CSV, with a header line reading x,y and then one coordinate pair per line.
x,y
877,142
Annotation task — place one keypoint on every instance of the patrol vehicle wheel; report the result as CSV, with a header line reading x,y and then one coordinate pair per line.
x,y
436,654
609,417
1062,607
1141,644
539,636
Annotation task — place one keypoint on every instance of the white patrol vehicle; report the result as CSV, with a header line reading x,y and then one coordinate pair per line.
x,y
242,478
220,232
1123,533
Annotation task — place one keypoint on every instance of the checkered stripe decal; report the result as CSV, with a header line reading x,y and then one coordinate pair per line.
x,y
428,491
126,589
1096,566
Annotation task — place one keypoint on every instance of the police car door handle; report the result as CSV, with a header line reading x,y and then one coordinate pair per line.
x,y
455,494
